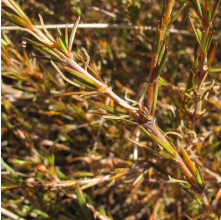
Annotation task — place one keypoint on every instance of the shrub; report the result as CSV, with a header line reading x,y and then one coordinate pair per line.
x,y
68,153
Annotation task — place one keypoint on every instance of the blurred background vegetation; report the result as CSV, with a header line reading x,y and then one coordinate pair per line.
x,y
51,141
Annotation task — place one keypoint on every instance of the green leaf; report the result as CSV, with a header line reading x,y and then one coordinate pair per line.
x,y
73,32
167,147
163,61
215,70
214,9
105,107
161,53
208,41
199,7
80,76
195,32
193,195
178,13
45,29
84,211
20,11
199,34
166,155
159,169
208,2
66,36
62,75
200,177
44,48
139,144
62,45
6,166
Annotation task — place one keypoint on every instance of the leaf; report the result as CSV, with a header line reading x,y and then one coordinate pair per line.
x,y
43,47
161,53
115,116
178,13
139,144
163,61
20,11
138,180
208,40
199,7
195,32
62,75
105,107
200,177
177,181
166,155
173,132
193,195
62,44
215,70
208,11
45,30
189,162
6,166
84,211
167,147
199,34
82,174
212,55
93,73
80,76
72,36
66,36
214,9
159,169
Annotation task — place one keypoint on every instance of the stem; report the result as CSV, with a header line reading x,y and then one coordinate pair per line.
x,y
153,78
202,74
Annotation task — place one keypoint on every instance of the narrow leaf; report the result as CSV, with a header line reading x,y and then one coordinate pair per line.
x,y
196,9
163,61
214,9
215,70
199,34
62,45
173,132
178,13
84,210
195,32
139,144
166,155
208,41
73,32
138,180
59,32
66,36
105,107
189,162
167,147
159,169
193,195
199,7
45,29
161,53
80,76
212,55
62,75
177,181
20,11
44,48
200,177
